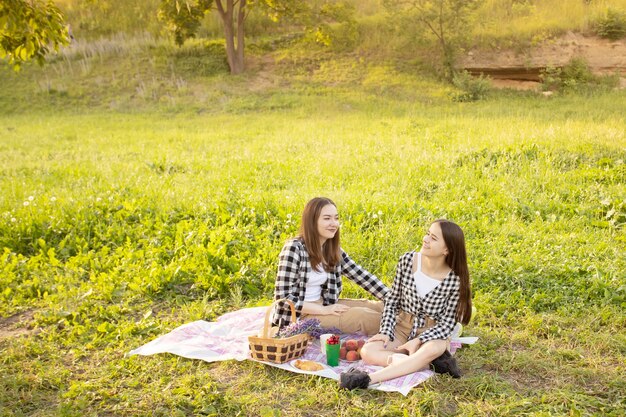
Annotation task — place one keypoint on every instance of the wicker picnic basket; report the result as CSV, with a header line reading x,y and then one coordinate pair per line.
x,y
269,349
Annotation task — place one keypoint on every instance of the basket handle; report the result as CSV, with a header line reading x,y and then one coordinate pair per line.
x,y
266,325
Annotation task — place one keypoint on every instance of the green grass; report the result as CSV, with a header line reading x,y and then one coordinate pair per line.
x,y
125,214
532,22
119,227
529,23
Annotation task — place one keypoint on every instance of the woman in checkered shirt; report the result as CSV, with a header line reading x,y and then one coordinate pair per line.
x,y
430,294
310,269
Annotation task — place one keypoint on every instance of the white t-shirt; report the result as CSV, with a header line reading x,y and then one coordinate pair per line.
x,y
313,290
423,282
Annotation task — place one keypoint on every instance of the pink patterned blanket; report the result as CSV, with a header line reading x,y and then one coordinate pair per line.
x,y
227,338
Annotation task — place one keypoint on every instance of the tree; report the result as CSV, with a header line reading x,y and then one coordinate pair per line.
x,y
183,19
29,29
449,21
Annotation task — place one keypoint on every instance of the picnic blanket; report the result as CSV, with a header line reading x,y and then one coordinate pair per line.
x,y
227,338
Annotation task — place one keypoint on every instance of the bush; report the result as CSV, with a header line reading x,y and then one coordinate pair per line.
x,y
551,79
611,24
577,72
345,36
575,76
472,88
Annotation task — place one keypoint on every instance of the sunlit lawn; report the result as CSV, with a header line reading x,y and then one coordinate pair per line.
x,y
117,228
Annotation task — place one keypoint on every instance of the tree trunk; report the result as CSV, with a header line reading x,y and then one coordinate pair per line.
x,y
241,18
234,55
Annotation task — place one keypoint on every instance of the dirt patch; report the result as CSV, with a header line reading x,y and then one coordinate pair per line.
x,y
520,67
516,84
264,77
19,324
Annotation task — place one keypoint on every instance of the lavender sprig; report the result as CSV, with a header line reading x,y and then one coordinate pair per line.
x,y
310,326
299,327
316,333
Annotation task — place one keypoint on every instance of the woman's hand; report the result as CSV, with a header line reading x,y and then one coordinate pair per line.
x,y
335,309
318,309
411,346
379,338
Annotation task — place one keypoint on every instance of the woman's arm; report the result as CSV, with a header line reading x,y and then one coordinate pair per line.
x,y
363,278
287,284
392,303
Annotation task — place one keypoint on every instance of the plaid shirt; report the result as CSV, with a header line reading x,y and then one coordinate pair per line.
x,y
294,268
439,304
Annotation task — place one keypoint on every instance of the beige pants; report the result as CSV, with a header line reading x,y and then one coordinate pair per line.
x,y
404,324
363,316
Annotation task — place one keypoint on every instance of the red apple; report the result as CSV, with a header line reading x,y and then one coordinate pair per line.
x,y
352,356
352,344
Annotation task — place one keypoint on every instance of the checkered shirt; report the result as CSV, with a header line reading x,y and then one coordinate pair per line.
x,y
439,304
294,268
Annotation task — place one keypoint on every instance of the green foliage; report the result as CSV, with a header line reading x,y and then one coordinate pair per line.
x,y
576,76
30,30
611,24
449,22
333,25
327,23
551,78
93,19
472,88
183,18
521,24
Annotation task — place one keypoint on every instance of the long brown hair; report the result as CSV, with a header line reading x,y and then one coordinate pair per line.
x,y
328,255
457,260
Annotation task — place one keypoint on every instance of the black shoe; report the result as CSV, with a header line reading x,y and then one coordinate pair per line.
x,y
354,379
446,364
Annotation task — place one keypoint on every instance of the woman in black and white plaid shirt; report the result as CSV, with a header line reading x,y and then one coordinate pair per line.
x,y
309,274
430,293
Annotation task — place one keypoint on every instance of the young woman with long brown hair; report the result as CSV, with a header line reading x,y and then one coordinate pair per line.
x,y
310,269
430,294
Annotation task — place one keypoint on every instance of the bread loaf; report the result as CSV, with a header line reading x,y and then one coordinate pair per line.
x,y
308,365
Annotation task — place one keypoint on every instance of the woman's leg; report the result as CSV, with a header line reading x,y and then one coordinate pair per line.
x,y
361,302
363,317
419,360
374,353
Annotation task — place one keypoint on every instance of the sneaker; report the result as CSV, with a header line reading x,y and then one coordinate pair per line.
x,y
354,379
446,364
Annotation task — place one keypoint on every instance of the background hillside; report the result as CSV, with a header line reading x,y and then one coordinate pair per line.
x,y
122,57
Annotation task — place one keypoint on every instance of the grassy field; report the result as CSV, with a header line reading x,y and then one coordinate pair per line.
x,y
144,188
116,228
